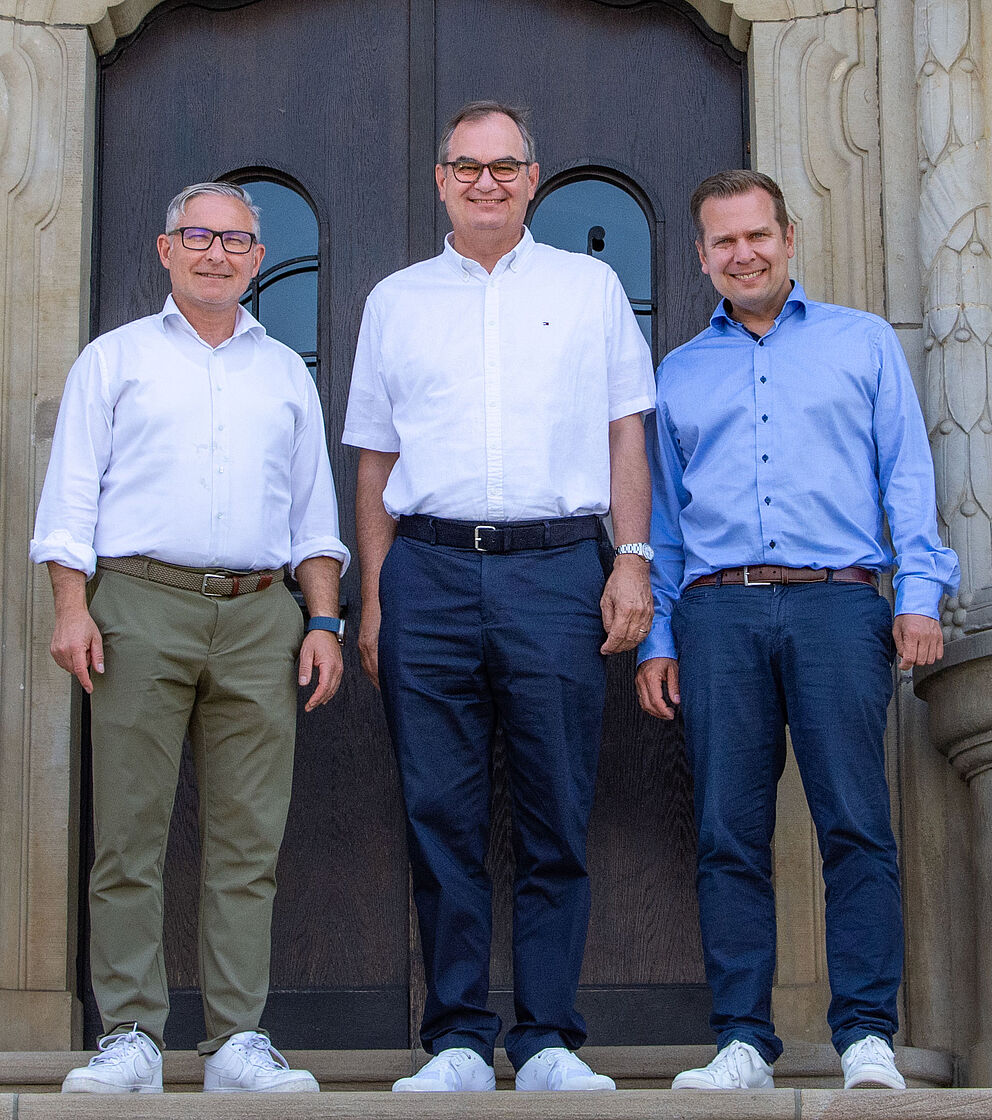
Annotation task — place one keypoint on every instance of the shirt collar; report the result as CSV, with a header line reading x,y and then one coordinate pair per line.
x,y
468,267
243,323
797,300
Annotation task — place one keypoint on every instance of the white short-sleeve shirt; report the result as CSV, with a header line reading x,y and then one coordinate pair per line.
x,y
497,390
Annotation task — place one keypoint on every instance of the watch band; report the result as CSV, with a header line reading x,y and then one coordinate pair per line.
x,y
325,622
638,548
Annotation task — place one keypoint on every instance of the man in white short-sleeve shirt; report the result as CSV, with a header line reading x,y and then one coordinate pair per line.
x,y
189,467
497,398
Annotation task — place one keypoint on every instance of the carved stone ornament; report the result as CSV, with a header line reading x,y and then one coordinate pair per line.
x,y
957,277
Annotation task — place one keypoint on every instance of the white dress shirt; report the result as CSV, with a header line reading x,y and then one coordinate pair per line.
x,y
497,389
195,455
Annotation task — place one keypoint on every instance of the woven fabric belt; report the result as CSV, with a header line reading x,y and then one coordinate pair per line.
x,y
213,582
500,536
763,574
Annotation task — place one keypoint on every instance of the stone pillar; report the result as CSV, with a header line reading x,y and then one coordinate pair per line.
x,y
47,81
955,248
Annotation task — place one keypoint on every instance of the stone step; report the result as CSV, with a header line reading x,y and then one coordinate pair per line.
x,y
627,1104
802,1066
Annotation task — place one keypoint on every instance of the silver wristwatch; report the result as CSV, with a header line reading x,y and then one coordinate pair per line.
x,y
641,548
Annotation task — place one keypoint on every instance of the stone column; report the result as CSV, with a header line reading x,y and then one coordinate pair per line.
x,y
955,248
47,80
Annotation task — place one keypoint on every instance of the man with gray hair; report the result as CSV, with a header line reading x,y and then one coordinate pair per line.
x,y
497,399
189,468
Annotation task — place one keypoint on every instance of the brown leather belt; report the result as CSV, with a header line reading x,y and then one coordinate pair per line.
x,y
215,583
763,574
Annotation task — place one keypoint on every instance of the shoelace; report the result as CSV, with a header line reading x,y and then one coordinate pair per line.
x,y
729,1059
260,1052
872,1049
116,1048
560,1067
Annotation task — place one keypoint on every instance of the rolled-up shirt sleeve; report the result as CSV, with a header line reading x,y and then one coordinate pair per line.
x,y
925,568
81,449
313,514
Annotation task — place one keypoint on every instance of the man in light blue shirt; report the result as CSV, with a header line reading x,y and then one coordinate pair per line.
x,y
786,432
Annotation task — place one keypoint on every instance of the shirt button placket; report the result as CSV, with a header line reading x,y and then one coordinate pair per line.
x,y
764,412
494,403
219,476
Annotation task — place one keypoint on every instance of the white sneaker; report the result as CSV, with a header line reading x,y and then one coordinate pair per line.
x,y
128,1062
554,1067
455,1070
249,1063
870,1064
737,1066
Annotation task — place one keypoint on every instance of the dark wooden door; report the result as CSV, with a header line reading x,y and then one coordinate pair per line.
x,y
343,99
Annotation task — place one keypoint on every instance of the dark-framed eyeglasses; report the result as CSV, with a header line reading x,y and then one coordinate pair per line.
x,y
502,170
200,239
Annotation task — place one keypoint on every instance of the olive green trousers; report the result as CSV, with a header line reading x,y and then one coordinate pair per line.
x,y
226,669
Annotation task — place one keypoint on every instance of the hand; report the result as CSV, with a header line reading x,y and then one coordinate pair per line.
x,y
653,677
321,651
368,640
918,639
627,605
77,645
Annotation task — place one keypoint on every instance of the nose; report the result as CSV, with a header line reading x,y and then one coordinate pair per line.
x,y
743,249
485,181
215,250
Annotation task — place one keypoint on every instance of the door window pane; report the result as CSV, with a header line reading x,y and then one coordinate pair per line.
x,y
283,297
602,219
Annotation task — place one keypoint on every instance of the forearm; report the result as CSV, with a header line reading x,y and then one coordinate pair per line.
x,y
375,529
630,481
319,578
68,589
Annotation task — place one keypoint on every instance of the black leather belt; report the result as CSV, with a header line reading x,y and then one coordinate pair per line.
x,y
500,536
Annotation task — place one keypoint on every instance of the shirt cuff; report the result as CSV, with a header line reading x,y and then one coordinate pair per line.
x,y
916,595
380,440
61,548
329,546
659,643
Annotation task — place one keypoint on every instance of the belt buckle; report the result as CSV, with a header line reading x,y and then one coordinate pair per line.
x,y
477,539
754,582
213,594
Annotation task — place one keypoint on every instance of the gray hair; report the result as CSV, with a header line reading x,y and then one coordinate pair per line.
x,y
475,111
177,207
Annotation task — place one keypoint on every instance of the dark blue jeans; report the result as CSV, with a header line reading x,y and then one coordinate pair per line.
x,y
817,657
468,638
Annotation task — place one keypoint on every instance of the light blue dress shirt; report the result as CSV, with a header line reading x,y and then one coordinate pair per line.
x,y
787,449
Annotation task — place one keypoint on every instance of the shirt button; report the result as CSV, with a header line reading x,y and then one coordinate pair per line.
x,y
220,517
764,458
220,470
768,501
771,544
763,380
220,427
761,342
764,419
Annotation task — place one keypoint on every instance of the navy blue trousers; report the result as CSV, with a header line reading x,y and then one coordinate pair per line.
x,y
468,639
818,657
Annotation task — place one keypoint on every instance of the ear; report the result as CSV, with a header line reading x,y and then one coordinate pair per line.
x,y
533,174
702,258
164,246
439,178
790,240
259,251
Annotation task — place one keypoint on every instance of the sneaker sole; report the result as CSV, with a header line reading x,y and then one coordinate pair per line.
x,y
110,1090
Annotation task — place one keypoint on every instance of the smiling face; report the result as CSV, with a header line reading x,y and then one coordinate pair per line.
x,y
487,217
210,282
746,253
